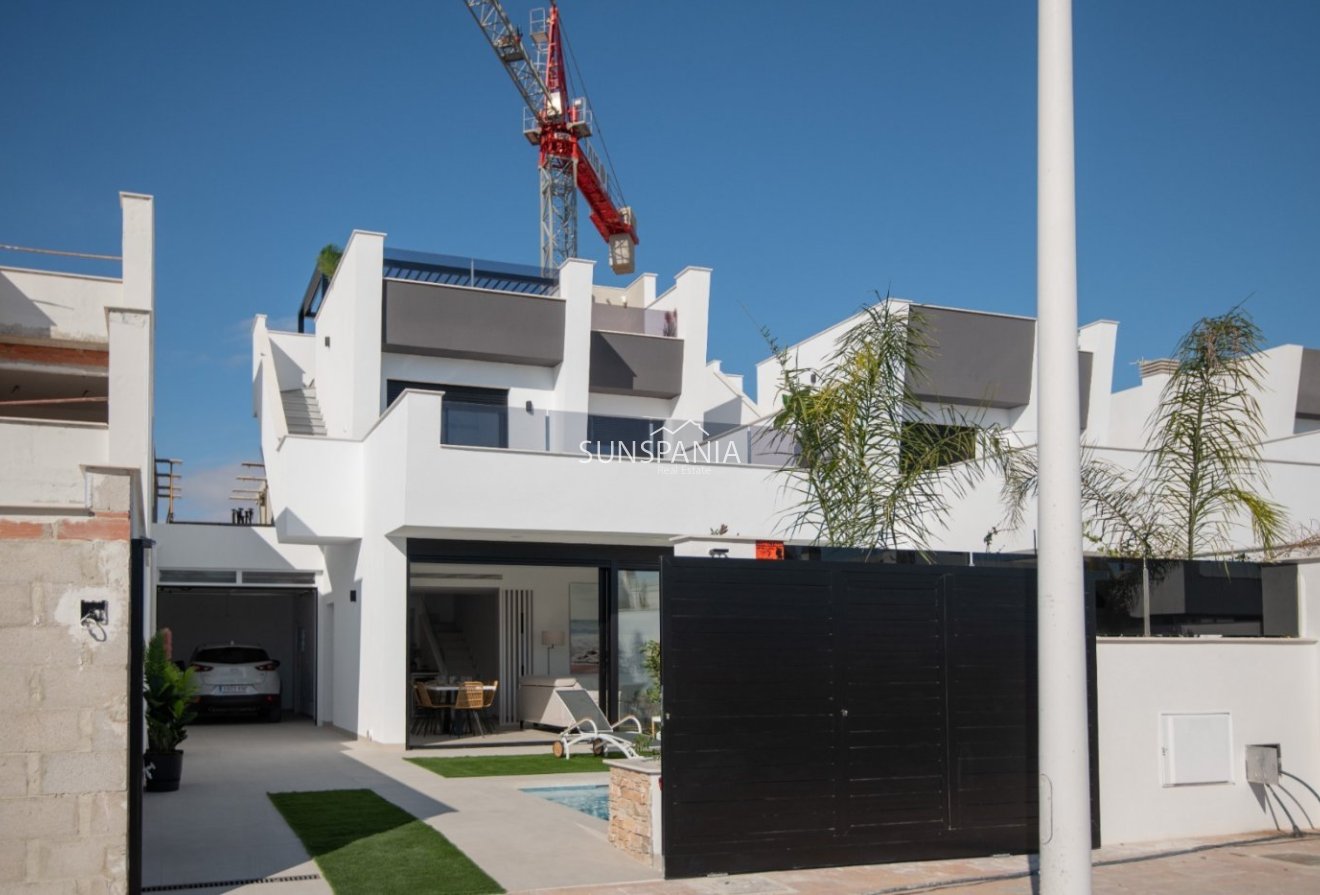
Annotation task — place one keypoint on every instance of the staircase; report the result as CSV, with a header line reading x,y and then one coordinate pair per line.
x,y
443,647
454,646
302,413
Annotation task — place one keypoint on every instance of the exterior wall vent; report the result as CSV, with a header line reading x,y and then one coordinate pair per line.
x,y
198,576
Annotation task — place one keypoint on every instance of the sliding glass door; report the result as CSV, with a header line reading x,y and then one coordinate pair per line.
x,y
637,685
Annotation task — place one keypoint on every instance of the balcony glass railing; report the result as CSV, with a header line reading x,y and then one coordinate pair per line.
x,y
639,321
612,438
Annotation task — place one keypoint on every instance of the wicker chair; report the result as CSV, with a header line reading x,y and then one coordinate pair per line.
x,y
488,700
428,716
470,704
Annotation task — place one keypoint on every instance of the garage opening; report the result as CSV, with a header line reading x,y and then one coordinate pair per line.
x,y
280,620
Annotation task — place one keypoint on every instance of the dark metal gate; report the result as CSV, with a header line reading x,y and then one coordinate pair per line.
x,y
821,714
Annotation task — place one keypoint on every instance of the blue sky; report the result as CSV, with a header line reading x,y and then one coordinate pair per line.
x,y
809,153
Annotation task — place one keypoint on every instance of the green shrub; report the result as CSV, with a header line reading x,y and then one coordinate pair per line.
x,y
169,692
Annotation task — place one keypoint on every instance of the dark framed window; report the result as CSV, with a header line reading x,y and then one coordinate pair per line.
x,y
618,436
932,445
471,417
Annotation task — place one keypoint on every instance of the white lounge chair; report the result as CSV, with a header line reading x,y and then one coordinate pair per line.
x,y
594,728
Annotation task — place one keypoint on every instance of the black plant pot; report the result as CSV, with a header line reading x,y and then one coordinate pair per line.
x,y
166,769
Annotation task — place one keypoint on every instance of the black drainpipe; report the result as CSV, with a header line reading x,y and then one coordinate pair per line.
x,y
137,587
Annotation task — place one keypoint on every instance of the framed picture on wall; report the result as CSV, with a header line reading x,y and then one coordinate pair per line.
x,y
583,628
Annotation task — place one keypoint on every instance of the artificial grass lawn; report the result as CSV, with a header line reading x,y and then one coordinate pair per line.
x,y
364,844
510,765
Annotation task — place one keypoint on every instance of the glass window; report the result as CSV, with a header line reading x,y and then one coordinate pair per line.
x,y
639,645
617,436
473,425
471,417
230,655
932,445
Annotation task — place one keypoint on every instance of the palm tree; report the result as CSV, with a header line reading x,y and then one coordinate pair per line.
x,y
1203,462
874,467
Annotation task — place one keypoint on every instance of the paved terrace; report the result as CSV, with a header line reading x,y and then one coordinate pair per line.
x,y
221,828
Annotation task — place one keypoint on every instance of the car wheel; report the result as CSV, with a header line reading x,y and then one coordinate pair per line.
x,y
273,715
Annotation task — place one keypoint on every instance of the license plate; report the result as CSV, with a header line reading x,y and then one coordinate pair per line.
x,y
232,688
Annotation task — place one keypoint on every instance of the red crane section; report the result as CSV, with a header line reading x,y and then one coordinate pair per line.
x,y
564,126
560,130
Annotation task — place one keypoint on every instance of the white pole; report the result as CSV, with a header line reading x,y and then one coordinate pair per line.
x,y
1065,797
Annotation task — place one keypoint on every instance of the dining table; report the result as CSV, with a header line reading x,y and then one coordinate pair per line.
x,y
444,696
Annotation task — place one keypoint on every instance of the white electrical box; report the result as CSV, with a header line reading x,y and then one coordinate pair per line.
x,y
1196,748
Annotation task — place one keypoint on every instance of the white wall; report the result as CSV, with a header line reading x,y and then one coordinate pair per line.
x,y
1101,339
348,368
338,640
42,460
61,307
254,547
1282,374
317,495
294,355
1271,690
131,334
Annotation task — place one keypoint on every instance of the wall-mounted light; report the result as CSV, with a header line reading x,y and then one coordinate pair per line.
x,y
529,406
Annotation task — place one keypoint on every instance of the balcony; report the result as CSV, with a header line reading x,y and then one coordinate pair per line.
x,y
567,472
631,364
444,306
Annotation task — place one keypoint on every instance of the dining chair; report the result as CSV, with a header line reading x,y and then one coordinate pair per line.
x,y
427,716
468,705
488,699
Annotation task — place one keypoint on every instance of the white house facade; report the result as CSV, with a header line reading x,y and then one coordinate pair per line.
x,y
474,471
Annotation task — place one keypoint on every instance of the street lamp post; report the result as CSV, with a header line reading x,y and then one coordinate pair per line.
x,y
1065,797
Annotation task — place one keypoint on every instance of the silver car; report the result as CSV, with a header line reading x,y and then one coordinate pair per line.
x,y
236,677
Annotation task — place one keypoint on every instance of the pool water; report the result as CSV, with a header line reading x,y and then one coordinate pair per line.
x,y
593,800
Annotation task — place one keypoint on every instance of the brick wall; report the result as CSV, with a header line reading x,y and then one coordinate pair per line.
x,y
634,809
63,737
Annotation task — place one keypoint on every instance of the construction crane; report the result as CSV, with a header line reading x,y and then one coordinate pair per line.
x,y
559,124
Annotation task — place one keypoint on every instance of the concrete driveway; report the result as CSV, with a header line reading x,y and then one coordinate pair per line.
x,y
221,828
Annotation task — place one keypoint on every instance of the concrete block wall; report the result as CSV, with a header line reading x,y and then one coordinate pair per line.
x,y
64,737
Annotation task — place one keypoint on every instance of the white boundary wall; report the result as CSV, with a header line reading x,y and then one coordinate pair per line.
x,y
1271,690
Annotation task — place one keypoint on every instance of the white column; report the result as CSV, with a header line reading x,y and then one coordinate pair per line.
x,y
573,378
130,334
1065,798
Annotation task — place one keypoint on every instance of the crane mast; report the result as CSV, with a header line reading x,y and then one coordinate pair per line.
x,y
559,125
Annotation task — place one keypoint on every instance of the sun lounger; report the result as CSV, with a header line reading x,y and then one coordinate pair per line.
x,y
591,727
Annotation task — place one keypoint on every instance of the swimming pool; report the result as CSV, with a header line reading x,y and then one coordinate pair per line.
x,y
593,799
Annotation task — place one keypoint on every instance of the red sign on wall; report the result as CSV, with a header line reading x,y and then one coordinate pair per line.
x,y
769,549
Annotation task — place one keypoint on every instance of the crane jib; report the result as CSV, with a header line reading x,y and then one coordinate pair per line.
x,y
562,125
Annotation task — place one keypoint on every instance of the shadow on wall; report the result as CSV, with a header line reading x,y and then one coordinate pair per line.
x,y
21,315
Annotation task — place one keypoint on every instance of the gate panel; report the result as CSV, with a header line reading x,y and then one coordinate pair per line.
x,y
822,714
992,706
749,671
892,785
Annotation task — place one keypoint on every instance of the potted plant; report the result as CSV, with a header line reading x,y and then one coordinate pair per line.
x,y
169,692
